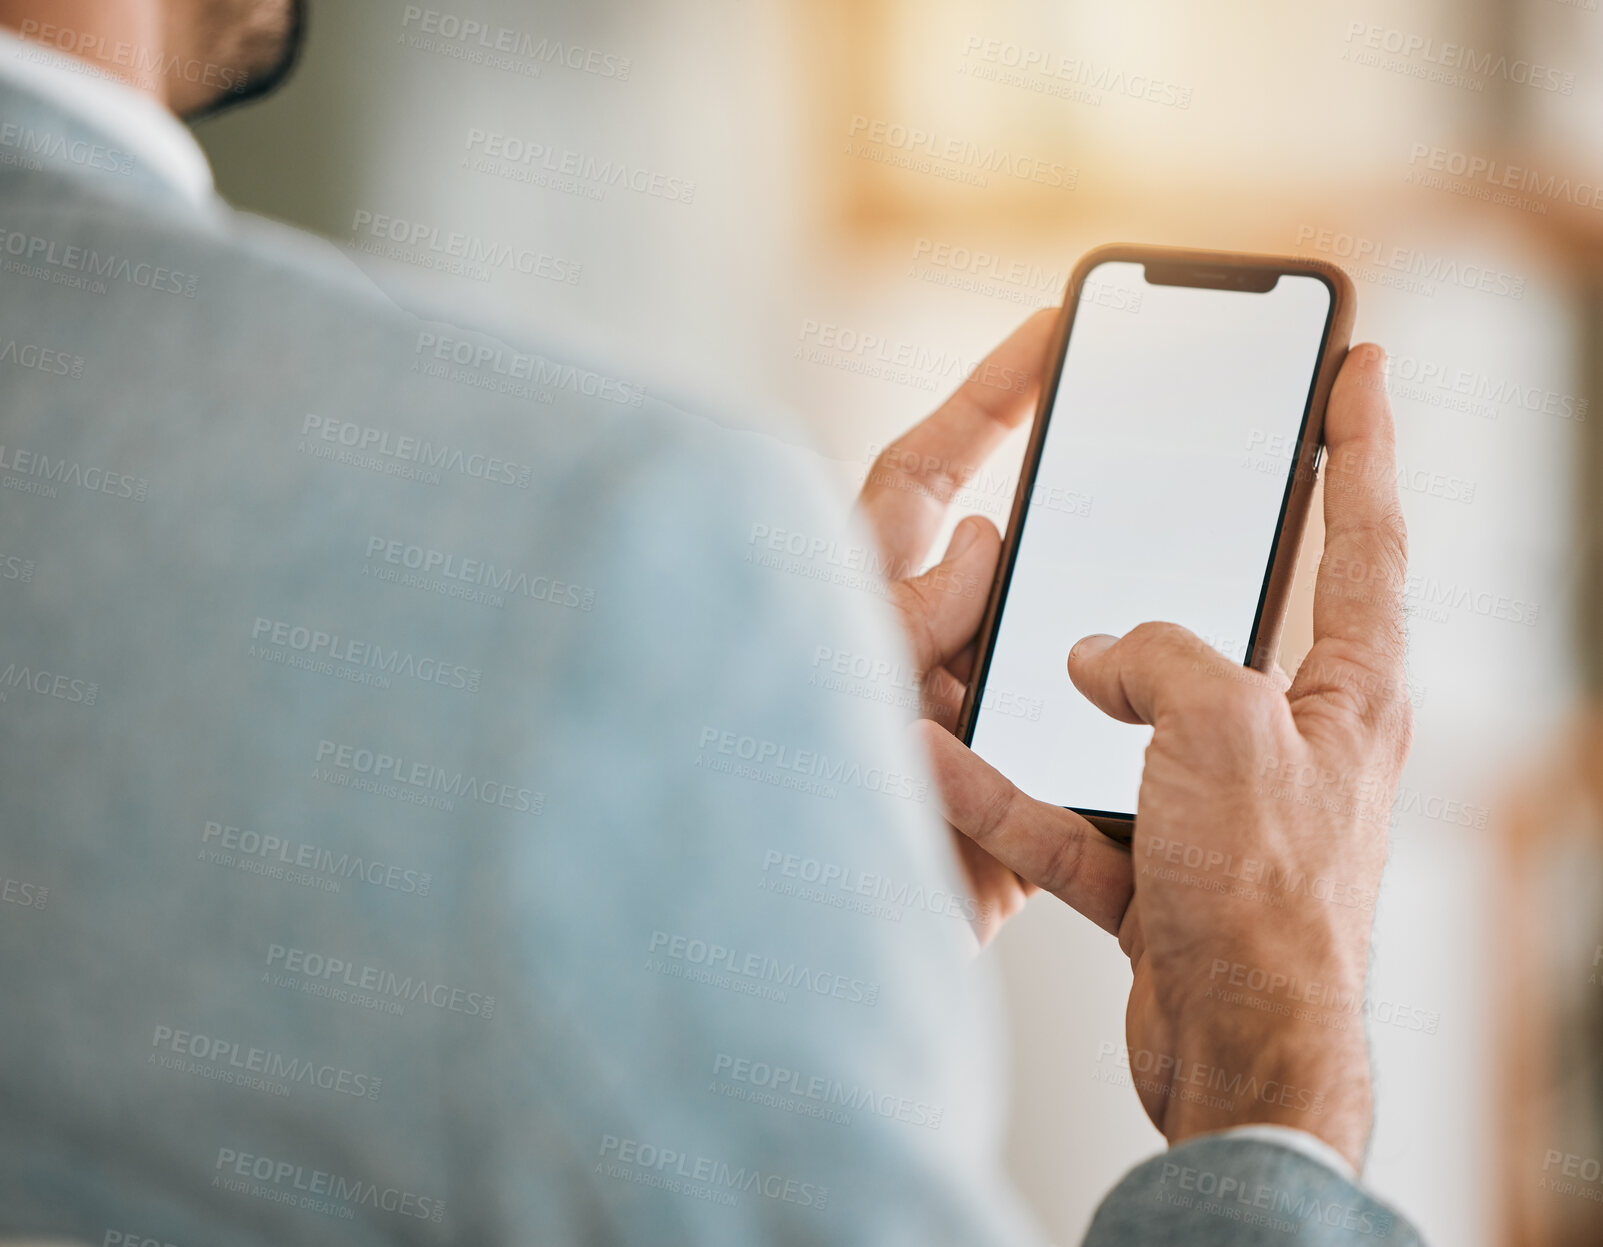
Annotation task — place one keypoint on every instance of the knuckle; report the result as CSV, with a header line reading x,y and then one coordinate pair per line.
x,y
902,467
1330,722
993,814
1391,531
1385,538
1217,703
1155,631
1403,733
912,599
1064,861
1148,640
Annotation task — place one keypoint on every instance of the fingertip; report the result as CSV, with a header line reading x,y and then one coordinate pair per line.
x,y
969,530
1368,355
1359,407
964,535
1089,647
933,737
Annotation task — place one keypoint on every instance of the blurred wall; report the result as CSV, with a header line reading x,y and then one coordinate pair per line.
x,y
1327,129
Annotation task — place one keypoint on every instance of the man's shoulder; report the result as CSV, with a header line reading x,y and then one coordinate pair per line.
x,y
229,300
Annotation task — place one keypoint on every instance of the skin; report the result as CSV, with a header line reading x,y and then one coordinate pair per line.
x,y
1246,901
176,51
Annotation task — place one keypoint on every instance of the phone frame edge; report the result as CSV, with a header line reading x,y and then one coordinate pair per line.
x,y
1269,622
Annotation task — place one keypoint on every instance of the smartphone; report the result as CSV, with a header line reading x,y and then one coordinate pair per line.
x,y
1168,477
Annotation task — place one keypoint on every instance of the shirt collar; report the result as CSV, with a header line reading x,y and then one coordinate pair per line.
x,y
99,101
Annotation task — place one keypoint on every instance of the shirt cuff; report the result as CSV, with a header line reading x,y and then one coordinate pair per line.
x,y
1309,1145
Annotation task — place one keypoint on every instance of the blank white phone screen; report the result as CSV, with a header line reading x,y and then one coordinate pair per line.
x,y
1168,451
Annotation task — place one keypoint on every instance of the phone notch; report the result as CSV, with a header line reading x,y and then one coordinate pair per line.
x,y
1211,277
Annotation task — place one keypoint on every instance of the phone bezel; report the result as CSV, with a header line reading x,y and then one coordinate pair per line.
x,y
1210,270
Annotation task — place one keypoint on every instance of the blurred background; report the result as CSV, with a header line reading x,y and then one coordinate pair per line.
x,y
838,207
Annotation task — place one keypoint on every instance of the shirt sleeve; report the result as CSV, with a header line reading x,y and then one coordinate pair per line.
x,y
1310,1145
746,1009
1241,1189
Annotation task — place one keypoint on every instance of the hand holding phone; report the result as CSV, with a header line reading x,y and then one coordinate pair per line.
x,y
1263,828
1168,477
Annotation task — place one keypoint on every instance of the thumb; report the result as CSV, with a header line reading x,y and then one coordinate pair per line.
x,y
941,609
1152,668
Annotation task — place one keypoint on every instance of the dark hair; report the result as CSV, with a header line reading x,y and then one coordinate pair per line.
x,y
253,86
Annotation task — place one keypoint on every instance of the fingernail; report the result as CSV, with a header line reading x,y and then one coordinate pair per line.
x,y
962,538
1090,646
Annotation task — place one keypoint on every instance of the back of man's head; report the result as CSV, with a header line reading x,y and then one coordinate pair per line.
x,y
197,57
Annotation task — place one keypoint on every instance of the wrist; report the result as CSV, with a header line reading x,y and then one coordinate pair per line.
x,y
1285,1073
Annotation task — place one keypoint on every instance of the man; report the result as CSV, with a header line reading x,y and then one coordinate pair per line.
x,y
422,823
